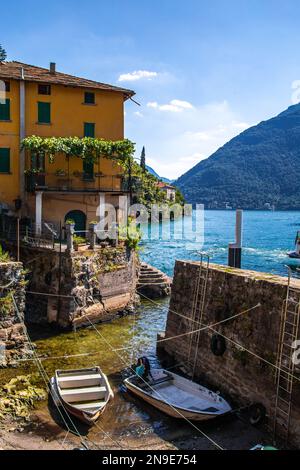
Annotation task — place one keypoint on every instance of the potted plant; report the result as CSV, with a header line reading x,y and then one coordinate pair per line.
x,y
70,222
93,223
78,242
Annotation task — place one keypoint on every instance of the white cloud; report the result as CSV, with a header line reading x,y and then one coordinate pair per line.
x,y
137,75
138,113
174,106
176,141
182,104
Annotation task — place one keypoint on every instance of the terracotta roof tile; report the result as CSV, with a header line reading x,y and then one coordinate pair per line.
x,y
13,70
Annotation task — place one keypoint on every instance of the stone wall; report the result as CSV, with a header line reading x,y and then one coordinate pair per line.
x,y
13,341
100,284
240,376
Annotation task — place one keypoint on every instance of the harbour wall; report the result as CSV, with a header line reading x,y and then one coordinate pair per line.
x,y
69,289
243,378
13,340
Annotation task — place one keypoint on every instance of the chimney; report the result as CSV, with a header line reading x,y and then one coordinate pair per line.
x,y
52,67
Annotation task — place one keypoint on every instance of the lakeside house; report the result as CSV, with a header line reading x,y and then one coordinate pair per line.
x,y
169,190
47,103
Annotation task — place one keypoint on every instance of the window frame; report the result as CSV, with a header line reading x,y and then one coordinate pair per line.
x,y
47,86
7,86
90,93
8,171
85,124
7,103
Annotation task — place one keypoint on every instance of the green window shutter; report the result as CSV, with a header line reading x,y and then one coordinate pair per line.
x,y
4,160
5,110
89,129
44,112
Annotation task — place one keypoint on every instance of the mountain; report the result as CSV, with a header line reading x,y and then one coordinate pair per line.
x,y
258,167
153,172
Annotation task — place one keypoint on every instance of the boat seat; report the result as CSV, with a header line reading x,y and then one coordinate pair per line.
x,y
162,380
73,381
83,394
91,405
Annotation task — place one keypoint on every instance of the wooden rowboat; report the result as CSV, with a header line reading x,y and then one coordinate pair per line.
x,y
178,397
82,392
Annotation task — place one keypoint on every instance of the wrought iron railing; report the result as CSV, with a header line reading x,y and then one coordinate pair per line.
x,y
75,182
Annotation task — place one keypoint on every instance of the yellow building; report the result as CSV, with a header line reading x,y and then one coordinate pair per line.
x,y
47,103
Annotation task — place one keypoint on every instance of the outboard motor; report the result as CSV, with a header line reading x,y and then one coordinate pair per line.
x,y
147,366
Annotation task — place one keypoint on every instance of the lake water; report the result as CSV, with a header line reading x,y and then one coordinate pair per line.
x,y
267,236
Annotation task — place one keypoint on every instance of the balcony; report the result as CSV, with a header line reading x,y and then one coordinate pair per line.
x,y
76,182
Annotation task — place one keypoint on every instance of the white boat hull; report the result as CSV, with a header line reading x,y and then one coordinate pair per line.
x,y
179,397
84,393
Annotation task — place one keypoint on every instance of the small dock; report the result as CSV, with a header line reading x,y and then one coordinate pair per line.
x,y
152,282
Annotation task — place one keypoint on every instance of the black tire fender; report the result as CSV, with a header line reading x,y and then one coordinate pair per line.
x,y
257,413
218,345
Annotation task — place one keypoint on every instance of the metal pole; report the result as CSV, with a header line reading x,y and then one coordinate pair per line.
x,y
235,249
59,274
130,181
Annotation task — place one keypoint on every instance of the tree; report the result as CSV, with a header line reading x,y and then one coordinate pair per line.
x,y
3,54
143,159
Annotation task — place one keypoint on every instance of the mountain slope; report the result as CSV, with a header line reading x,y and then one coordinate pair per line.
x,y
259,166
153,172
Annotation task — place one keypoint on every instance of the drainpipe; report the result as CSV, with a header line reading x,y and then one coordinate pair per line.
x,y
235,249
22,136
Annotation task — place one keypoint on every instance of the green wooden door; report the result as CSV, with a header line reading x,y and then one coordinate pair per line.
x,y
79,218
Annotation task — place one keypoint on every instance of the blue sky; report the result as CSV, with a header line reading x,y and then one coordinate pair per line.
x,y
203,71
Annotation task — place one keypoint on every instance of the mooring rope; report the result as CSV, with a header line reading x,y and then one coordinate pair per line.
x,y
46,378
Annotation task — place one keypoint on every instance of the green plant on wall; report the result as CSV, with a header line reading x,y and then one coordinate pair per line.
x,y
88,149
130,234
143,184
6,305
4,256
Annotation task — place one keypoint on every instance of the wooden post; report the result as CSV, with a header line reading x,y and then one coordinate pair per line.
x,y
18,239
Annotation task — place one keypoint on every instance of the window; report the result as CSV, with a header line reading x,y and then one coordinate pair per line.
x,y
5,110
4,160
89,129
44,89
7,86
89,97
44,112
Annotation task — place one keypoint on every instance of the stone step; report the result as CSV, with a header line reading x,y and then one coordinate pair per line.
x,y
156,281
151,284
152,281
148,271
153,276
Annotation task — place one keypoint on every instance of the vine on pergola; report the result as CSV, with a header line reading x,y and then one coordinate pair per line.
x,y
87,148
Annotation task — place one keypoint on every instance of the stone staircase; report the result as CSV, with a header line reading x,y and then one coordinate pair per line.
x,y
152,282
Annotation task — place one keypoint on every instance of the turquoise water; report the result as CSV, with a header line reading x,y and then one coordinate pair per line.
x,y
267,236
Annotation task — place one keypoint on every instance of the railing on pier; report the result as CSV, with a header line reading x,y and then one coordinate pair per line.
x,y
26,233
